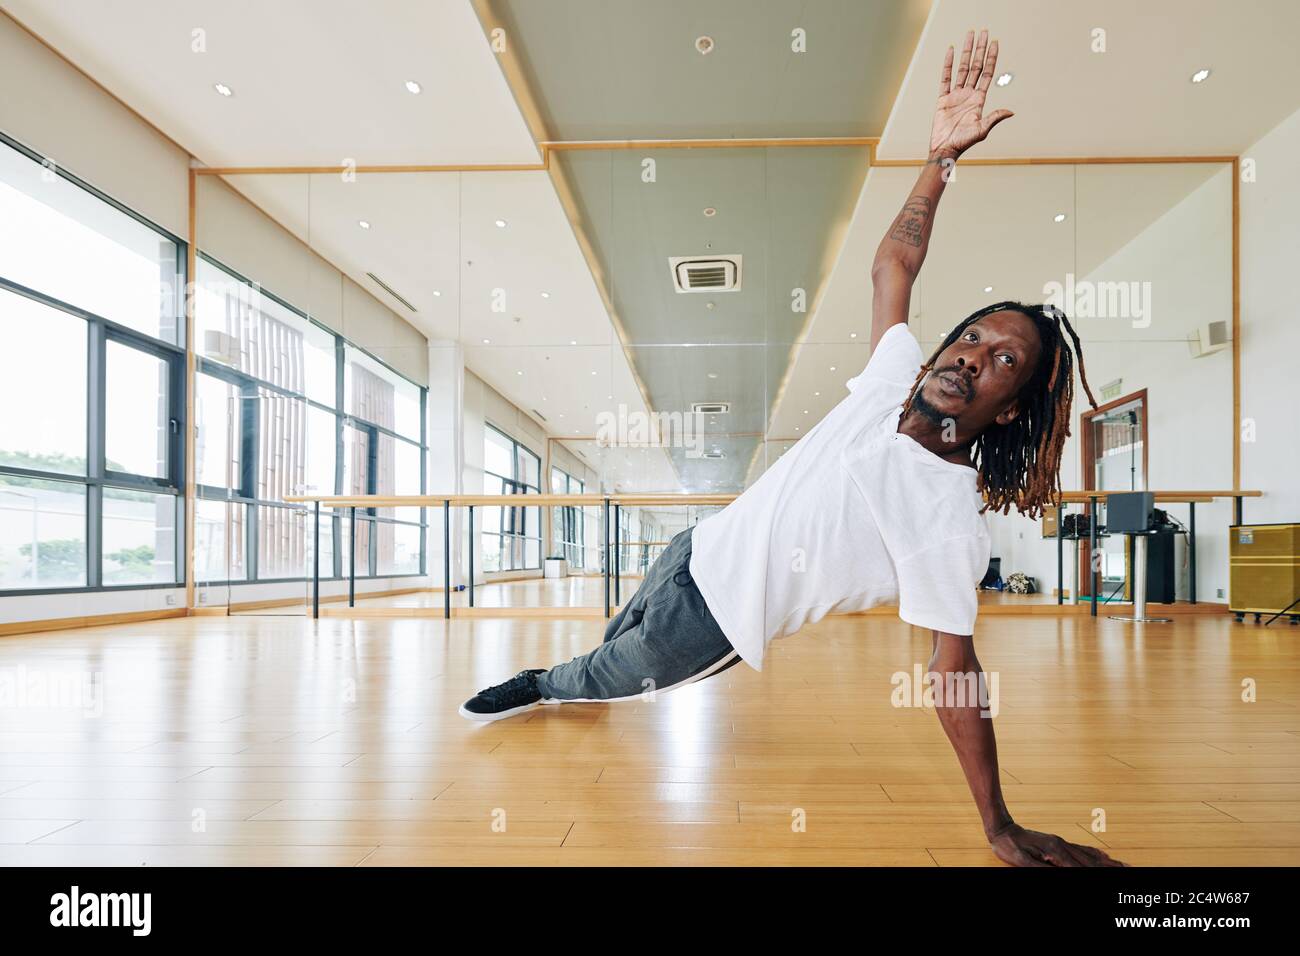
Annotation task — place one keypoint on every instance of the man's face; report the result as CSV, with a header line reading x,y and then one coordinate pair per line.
x,y
975,379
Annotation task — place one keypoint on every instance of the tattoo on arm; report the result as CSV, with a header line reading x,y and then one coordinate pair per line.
x,y
909,227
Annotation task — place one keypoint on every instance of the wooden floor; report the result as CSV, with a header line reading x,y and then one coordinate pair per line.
x,y
276,740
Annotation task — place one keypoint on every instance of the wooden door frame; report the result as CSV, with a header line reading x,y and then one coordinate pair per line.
x,y
1087,456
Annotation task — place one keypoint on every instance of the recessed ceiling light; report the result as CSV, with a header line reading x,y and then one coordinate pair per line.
x,y
519,373
988,288
363,224
1005,78
704,44
223,89
436,292
575,342
710,211
713,375
412,86
816,394
593,373
853,335
1200,76
1059,217
487,341
501,223
546,295
832,368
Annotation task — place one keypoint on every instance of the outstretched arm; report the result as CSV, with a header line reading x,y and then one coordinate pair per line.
x,y
959,124
970,731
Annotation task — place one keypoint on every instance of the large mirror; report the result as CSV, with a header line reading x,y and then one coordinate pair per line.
x,y
668,320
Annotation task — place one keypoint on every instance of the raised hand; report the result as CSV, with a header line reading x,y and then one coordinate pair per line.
x,y
1021,847
959,120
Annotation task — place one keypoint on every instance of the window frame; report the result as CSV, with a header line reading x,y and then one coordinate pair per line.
x,y
332,519
99,332
515,485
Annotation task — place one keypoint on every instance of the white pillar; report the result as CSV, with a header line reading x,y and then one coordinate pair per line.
x,y
444,423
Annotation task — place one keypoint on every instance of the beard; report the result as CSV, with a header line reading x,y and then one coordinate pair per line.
x,y
922,406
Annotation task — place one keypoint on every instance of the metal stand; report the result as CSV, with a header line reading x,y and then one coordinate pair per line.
x,y
352,557
315,568
618,556
604,546
1139,615
471,555
446,560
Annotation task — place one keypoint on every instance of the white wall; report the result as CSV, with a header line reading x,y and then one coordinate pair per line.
x,y
239,235
54,109
1186,254
1270,325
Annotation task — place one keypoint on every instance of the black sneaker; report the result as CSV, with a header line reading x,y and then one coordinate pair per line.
x,y
515,696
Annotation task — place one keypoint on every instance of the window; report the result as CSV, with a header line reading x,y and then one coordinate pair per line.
x,y
286,407
68,243
42,345
567,522
93,379
511,537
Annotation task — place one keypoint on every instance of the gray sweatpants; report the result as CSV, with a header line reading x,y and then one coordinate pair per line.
x,y
665,636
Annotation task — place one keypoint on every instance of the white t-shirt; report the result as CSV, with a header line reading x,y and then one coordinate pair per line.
x,y
854,515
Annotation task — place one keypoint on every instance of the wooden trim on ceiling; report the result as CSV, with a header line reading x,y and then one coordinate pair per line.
x,y
334,170
735,143
1059,161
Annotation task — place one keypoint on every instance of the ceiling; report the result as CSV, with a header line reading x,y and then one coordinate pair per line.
x,y
318,82
781,210
1134,99
314,81
627,69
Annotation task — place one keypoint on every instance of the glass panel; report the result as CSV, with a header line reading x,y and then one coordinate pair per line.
x,y
491,552
321,452
498,454
135,412
356,456
217,412
65,242
42,372
377,395
529,466
219,542
281,543
408,469
397,548
239,326
42,533
282,446
139,545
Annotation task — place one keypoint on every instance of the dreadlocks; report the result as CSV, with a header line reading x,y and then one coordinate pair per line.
x,y
1019,463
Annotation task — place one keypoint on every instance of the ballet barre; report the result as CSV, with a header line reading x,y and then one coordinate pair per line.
x,y
351,503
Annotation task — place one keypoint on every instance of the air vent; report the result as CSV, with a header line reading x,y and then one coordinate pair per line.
x,y
714,453
539,414
710,408
390,290
705,273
